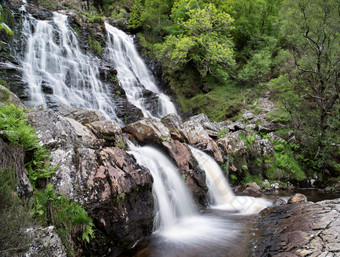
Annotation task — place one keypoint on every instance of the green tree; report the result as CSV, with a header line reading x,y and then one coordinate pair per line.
x,y
312,31
205,43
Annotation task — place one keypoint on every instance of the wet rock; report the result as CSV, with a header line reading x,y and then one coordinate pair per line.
x,y
199,137
45,242
40,13
298,198
81,115
194,177
148,130
299,229
126,111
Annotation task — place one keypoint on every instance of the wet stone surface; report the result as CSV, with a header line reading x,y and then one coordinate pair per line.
x,y
299,229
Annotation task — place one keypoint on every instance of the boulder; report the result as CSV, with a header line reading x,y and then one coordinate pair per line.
x,y
7,97
298,198
45,242
300,229
148,130
113,188
174,124
232,143
81,115
110,131
247,115
198,136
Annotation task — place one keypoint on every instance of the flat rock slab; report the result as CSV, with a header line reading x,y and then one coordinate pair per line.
x,y
299,229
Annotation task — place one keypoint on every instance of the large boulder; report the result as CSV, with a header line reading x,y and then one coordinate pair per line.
x,y
198,135
113,188
174,124
299,229
81,115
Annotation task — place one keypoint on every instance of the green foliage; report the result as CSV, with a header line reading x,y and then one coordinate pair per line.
x,y
121,144
14,218
15,128
69,218
222,133
95,45
6,20
48,4
204,42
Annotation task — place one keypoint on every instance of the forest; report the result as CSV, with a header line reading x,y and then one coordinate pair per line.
x,y
220,56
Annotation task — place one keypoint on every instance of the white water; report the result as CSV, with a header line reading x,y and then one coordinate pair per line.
x,y
220,191
176,218
133,74
54,62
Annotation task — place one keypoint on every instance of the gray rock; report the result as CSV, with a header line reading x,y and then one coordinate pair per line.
x,y
300,229
7,97
247,115
45,242
81,115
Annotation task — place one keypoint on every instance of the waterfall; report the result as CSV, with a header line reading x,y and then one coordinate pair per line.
x,y
176,217
172,198
220,191
57,71
133,74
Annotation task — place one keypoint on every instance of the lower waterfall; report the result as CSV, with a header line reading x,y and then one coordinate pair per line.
x,y
177,220
221,194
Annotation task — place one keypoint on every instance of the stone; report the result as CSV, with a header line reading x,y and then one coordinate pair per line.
x,y
238,125
174,124
113,188
81,115
297,198
148,130
45,242
108,130
300,229
7,97
198,136
232,143
247,115
267,128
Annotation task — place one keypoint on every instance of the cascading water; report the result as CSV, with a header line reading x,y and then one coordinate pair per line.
x,y
56,70
176,218
220,191
133,74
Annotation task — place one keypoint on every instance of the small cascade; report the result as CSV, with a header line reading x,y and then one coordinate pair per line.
x,y
172,199
176,218
57,71
220,191
133,74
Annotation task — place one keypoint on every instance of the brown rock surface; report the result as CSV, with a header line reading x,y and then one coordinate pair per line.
x,y
299,229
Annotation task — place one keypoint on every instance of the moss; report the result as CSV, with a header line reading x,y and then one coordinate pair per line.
x,y
48,4
95,45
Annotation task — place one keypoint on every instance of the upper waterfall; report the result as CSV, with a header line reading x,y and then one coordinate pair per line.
x,y
57,71
133,74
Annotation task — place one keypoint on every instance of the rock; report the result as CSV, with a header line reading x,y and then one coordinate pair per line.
x,y
253,189
238,125
45,242
268,128
247,115
81,115
300,229
298,198
39,13
113,188
7,97
174,124
232,143
110,131
148,130
126,111
262,147
187,165
12,157
199,137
